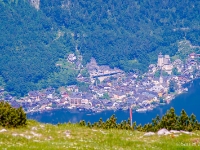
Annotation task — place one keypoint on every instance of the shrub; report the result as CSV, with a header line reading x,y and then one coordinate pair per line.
x,y
11,117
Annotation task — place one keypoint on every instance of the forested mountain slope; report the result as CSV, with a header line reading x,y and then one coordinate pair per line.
x,y
28,46
117,31
126,34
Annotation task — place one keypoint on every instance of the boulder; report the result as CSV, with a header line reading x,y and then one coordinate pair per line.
x,y
35,134
185,132
14,134
3,130
42,126
67,133
163,132
34,128
174,131
149,134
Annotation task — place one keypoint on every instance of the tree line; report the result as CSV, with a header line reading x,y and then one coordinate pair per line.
x,y
169,121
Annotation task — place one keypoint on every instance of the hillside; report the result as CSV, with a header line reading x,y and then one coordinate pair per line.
x,y
116,32
127,35
71,136
29,47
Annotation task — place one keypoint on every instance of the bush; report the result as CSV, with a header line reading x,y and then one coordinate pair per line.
x,y
11,117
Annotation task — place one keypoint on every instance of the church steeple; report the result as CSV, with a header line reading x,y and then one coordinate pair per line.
x,y
160,60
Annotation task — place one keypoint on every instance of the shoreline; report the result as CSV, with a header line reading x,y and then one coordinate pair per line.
x,y
141,110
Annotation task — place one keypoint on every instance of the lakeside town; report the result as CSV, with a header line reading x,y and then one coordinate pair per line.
x,y
113,89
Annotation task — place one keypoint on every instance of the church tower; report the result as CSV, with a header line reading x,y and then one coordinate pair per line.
x,y
160,60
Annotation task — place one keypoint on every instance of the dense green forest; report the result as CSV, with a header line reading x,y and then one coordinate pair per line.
x,y
126,34
116,32
28,47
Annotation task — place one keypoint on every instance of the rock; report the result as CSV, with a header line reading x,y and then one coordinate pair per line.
x,y
163,132
174,131
67,133
49,138
42,126
35,134
34,128
3,130
185,132
94,130
149,134
27,136
103,132
22,135
14,134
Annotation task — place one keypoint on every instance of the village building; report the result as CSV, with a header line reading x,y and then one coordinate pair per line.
x,y
164,63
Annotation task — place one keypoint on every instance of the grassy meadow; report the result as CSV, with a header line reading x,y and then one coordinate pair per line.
x,y
71,136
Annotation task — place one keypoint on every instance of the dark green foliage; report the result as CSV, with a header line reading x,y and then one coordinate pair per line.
x,y
169,121
172,86
11,117
82,123
110,123
183,120
82,86
126,34
139,127
105,96
28,49
117,32
175,71
85,73
89,124
157,73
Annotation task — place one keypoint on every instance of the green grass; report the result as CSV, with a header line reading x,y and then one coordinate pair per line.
x,y
46,136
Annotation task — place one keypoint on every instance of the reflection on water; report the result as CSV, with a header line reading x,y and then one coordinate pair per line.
x,y
189,101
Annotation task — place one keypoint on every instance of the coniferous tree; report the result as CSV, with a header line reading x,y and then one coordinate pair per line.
x,y
100,123
183,120
193,122
169,120
139,127
89,124
134,126
155,123
82,123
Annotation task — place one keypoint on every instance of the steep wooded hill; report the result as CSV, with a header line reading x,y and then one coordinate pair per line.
x,y
126,34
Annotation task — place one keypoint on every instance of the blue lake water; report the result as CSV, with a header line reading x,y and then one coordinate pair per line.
x,y
189,101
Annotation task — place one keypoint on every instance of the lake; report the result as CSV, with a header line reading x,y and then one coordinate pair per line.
x,y
189,101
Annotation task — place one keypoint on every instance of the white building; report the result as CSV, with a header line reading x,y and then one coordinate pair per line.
x,y
164,63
